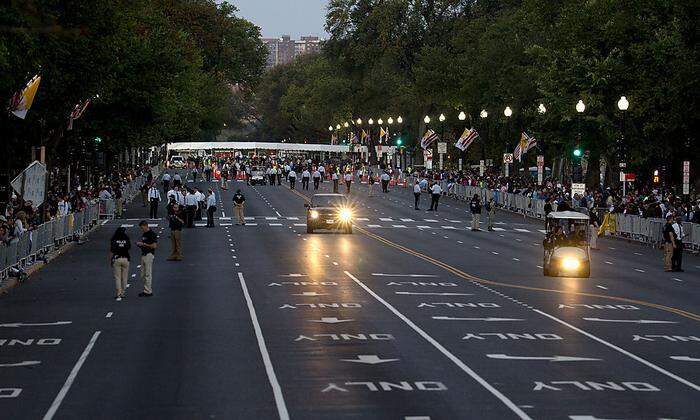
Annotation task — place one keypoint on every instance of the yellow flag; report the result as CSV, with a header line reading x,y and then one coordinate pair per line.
x,y
22,101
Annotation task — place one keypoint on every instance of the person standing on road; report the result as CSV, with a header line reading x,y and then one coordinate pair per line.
x,y
148,245
207,173
305,177
238,207
435,192
211,208
175,223
490,208
416,194
336,180
154,201
669,243
317,179
292,176
677,259
166,182
177,180
475,208
200,203
385,181
119,259
279,175
594,224
191,207
322,171
224,176
348,181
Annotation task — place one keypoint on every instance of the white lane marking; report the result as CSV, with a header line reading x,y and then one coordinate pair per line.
x,y
612,248
477,247
494,252
374,226
505,400
34,324
335,263
403,275
448,227
431,220
71,377
223,214
637,253
407,220
518,239
539,266
541,231
275,224
21,364
453,221
497,229
555,359
278,213
109,314
631,321
104,221
490,319
299,224
460,242
399,226
276,389
623,351
639,270
423,227
292,218
516,259
127,226
685,358
601,287
270,218
521,230
251,224
432,294
386,219
362,219
677,279
608,263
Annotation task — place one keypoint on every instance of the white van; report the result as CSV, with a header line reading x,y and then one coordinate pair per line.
x,y
177,162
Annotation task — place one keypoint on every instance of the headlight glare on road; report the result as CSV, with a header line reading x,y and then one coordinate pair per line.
x,y
570,263
314,214
345,215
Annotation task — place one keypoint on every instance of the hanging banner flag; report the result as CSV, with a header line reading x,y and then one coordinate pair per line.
x,y
21,101
466,139
428,138
334,138
354,139
77,113
526,143
364,137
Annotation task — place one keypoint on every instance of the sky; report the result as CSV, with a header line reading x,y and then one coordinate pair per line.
x,y
284,17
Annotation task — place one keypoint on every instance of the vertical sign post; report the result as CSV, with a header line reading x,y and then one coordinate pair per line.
x,y
442,149
540,169
686,178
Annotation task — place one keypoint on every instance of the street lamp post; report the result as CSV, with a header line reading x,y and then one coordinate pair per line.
x,y
442,134
622,104
508,113
578,152
484,115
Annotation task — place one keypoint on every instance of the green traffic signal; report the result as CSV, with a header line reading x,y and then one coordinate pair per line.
x,y
399,142
98,140
577,152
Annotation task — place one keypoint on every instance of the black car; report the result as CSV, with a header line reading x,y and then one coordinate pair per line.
x,y
328,211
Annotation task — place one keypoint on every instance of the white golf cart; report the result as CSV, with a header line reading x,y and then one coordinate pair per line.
x,y
567,250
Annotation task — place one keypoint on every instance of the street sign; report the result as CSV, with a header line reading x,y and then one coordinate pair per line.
x,y
622,176
428,159
630,177
507,158
482,167
623,165
578,188
686,177
31,183
540,161
442,148
460,164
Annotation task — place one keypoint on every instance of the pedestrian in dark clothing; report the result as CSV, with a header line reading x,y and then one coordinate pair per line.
x,y
176,224
120,244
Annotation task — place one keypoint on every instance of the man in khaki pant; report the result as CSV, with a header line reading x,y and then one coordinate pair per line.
x,y
176,225
148,245
669,242
238,205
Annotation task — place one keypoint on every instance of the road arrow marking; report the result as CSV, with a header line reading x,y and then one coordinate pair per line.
x,y
545,358
632,321
310,294
587,418
685,358
331,320
370,359
38,324
21,364
449,318
433,294
292,275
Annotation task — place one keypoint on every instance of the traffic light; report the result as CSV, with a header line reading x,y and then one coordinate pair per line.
x,y
578,152
399,141
98,140
656,176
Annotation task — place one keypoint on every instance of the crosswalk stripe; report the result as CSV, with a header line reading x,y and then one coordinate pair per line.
x,y
497,229
374,226
399,226
521,230
448,227
386,219
431,220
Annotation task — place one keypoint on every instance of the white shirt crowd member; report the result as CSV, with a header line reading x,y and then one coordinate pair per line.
x,y
63,207
416,189
211,201
292,174
436,189
306,174
153,192
191,199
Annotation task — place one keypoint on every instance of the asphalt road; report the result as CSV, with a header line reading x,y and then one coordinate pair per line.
x,y
411,317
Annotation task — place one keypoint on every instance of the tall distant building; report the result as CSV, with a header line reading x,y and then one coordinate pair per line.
x,y
283,50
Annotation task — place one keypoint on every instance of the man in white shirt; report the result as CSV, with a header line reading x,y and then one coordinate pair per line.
x,y
63,207
153,200
191,206
335,179
305,176
211,208
348,181
322,171
166,182
416,194
292,176
677,257
435,192
385,181
177,179
200,203
317,179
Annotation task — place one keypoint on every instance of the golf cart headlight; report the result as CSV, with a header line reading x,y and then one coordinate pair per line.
x,y
314,214
345,215
570,263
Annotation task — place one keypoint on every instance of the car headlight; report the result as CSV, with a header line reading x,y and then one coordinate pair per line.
x,y
314,214
345,215
570,263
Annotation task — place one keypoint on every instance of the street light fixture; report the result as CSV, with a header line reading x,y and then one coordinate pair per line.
x,y
441,117
380,121
399,120
390,120
371,121
337,127
346,125
359,121
426,119
623,104
330,128
508,112
483,114
580,107
541,109
462,116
